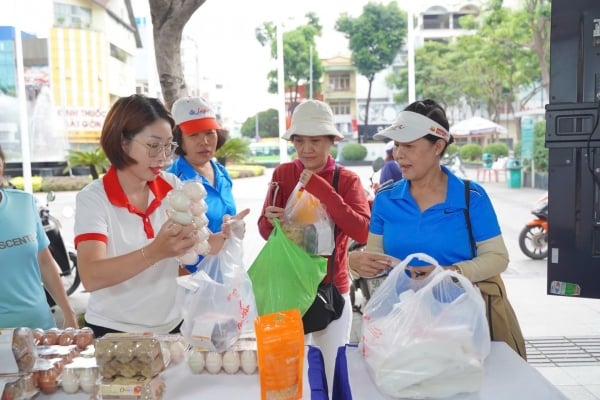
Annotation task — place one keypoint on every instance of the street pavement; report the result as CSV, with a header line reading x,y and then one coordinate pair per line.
x,y
562,333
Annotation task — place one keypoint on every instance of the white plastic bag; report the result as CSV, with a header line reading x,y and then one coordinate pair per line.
x,y
306,222
425,338
219,302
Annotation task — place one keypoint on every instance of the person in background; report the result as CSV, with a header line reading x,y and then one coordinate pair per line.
x,y
4,182
424,212
313,132
127,248
25,264
390,172
199,136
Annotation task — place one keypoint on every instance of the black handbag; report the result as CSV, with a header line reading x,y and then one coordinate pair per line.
x,y
329,303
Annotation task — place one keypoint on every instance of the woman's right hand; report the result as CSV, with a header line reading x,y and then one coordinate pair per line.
x,y
367,264
174,240
273,212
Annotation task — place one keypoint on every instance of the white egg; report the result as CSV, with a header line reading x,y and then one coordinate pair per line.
x,y
196,362
189,258
214,362
194,190
179,200
200,220
177,352
231,362
198,207
202,248
248,361
203,233
180,217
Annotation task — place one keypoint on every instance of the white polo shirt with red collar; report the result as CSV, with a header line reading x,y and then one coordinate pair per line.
x,y
147,302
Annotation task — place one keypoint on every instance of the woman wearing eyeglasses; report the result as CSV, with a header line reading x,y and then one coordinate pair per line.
x,y
199,136
126,246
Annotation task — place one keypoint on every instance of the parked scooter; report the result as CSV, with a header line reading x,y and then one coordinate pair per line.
x,y
66,260
533,239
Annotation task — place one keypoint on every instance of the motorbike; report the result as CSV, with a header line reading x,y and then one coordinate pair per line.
x,y
66,260
533,239
454,163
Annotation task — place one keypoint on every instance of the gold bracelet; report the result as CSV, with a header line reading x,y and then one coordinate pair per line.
x,y
146,258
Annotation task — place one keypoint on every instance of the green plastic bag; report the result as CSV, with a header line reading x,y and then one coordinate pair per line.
x,y
284,276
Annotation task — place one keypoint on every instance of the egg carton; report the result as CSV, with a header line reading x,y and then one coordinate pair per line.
x,y
228,362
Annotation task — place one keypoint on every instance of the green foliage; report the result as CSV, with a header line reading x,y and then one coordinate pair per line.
x,y
19,182
374,38
268,124
498,149
470,152
95,159
354,152
333,151
452,149
234,150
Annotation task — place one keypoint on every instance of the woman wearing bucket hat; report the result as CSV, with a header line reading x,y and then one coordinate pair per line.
x,y
427,211
313,132
199,135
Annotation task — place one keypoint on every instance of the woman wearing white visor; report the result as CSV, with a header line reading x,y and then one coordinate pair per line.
x,y
425,211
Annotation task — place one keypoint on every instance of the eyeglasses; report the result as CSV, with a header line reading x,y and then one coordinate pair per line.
x,y
155,149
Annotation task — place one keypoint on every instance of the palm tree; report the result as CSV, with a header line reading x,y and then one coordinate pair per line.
x,y
95,159
235,150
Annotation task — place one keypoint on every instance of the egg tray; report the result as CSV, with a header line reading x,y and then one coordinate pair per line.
x,y
138,388
129,355
23,349
229,362
18,387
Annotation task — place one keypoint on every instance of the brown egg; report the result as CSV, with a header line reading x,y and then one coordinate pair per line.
x,y
66,338
47,381
38,335
51,337
83,338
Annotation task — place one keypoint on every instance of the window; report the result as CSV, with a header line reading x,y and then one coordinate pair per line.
x,y
340,107
72,16
339,82
436,18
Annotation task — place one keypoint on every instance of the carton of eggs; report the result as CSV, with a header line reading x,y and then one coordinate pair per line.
x,y
187,206
230,362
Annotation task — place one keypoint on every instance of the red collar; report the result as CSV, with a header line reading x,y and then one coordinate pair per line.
x,y
117,197
329,165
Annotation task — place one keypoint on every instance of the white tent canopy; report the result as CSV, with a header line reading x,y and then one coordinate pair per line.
x,y
476,126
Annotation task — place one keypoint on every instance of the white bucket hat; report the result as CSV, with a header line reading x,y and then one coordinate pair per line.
x,y
312,118
410,126
193,115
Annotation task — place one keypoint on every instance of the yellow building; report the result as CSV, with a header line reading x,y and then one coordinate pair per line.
x,y
339,91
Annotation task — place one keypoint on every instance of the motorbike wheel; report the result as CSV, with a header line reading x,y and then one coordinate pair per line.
x,y
70,280
533,241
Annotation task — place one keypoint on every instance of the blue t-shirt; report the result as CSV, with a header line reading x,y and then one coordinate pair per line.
x,y
439,231
219,197
22,237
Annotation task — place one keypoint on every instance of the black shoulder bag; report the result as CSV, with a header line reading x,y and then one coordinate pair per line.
x,y
329,303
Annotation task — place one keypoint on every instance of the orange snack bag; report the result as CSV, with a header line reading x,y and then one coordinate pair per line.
x,y
280,345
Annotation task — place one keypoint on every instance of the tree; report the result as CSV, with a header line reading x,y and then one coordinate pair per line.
x,y
297,45
375,39
168,20
234,150
268,124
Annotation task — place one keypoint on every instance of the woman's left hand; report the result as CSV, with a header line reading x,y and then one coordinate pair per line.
x,y
234,225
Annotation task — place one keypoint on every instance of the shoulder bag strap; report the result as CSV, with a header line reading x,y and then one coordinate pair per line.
x,y
468,217
334,183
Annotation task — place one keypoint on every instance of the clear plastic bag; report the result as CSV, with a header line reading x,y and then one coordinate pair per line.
x,y
306,222
425,338
219,301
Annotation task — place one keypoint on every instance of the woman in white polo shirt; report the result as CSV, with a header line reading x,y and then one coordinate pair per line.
x,y
126,246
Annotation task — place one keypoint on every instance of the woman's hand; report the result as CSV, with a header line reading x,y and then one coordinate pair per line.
x,y
367,264
273,212
420,272
172,240
235,225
